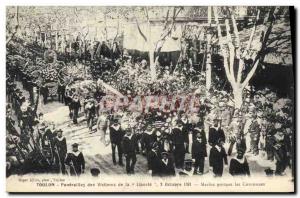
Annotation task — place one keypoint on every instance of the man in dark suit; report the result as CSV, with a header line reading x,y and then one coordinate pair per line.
x,y
128,145
215,134
116,136
217,158
166,166
199,153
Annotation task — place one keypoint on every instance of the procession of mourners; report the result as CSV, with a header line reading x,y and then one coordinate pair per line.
x,y
181,128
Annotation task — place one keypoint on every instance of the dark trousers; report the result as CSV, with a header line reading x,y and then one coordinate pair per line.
x,y
270,154
145,143
137,148
120,152
179,154
254,146
282,161
280,167
70,112
60,159
130,162
61,97
75,115
199,164
61,94
45,98
218,170
90,122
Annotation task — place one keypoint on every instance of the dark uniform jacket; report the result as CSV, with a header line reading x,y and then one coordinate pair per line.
x,y
76,163
75,104
129,144
178,136
199,149
186,129
61,146
217,158
214,135
147,139
236,168
116,134
167,169
201,131
154,162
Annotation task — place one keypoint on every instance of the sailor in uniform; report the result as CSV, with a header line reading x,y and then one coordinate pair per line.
x,y
167,168
116,136
217,158
239,165
76,161
60,147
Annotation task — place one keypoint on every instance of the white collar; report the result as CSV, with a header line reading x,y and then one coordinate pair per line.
x,y
116,127
215,127
198,129
149,132
154,151
129,137
184,121
76,153
165,161
60,138
178,127
241,161
218,148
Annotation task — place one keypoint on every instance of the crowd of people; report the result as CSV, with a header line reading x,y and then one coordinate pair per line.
x,y
172,141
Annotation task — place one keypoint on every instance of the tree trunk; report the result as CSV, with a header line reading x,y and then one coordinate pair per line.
x,y
238,97
56,41
152,64
208,62
208,51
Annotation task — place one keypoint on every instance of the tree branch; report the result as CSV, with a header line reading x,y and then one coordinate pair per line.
x,y
226,66
139,29
250,74
231,49
241,66
218,26
241,61
168,31
251,36
236,32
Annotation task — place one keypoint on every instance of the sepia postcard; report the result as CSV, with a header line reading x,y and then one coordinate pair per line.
x,y
131,99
